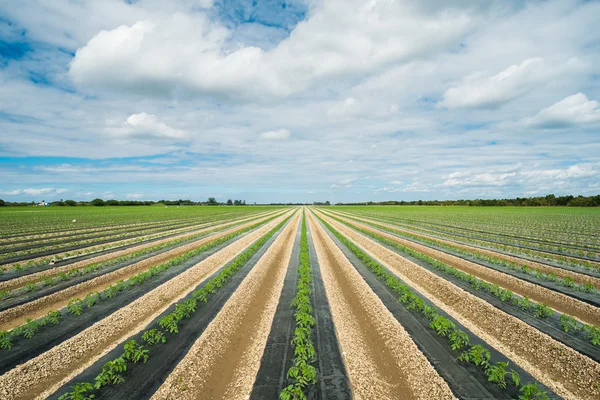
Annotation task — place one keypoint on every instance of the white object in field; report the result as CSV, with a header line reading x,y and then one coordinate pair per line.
x,y
74,220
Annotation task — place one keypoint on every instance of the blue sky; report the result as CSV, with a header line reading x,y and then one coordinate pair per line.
x,y
340,100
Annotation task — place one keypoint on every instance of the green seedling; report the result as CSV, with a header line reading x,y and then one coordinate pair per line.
x,y
5,340
75,306
79,392
153,336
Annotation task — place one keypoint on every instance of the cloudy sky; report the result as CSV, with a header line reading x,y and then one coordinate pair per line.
x,y
340,100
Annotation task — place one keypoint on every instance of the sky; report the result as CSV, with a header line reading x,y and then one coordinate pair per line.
x,y
298,101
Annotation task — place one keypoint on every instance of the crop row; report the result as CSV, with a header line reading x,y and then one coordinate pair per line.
x,y
444,327
511,265
302,371
134,353
555,258
540,310
77,306
48,281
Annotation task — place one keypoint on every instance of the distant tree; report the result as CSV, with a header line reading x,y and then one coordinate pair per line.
x,y
97,202
70,202
212,201
229,202
2,203
327,203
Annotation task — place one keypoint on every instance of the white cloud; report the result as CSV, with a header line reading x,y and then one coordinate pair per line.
x,y
483,91
278,134
145,125
575,110
344,183
189,54
135,196
33,191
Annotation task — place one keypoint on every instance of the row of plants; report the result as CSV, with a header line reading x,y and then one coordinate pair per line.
x,y
540,310
49,281
560,259
567,282
82,238
91,241
542,243
77,306
478,355
302,372
133,353
88,250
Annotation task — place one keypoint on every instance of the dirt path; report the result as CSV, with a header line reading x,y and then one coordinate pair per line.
x,y
583,311
40,307
381,358
41,376
37,276
224,361
565,371
561,272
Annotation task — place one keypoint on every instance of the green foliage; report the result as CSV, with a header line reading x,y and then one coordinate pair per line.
x,y
134,352
111,373
79,392
154,336
568,323
53,317
5,340
477,355
532,392
75,306
543,311
458,340
30,328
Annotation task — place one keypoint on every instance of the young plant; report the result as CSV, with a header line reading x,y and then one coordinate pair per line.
x,y
75,306
134,352
5,341
458,340
532,392
543,311
153,336
568,323
79,392
111,373
30,328
53,317
477,355
442,325
91,299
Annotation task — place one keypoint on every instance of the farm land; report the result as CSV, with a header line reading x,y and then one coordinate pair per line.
x,y
327,302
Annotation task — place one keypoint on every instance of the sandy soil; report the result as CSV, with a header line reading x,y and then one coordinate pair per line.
x,y
583,311
381,359
37,276
41,376
563,273
40,307
561,368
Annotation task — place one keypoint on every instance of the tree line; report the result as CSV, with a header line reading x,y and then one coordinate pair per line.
x,y
540,201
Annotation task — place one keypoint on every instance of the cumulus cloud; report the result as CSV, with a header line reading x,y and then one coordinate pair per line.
x,y
483,91
278,134
145,125
189,54
575,110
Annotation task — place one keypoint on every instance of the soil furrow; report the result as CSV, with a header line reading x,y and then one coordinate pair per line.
x,y
43,375
567,372
224,361
560,302
37,308
381,359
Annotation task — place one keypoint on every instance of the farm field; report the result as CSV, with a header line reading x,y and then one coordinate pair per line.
x,y
336,302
